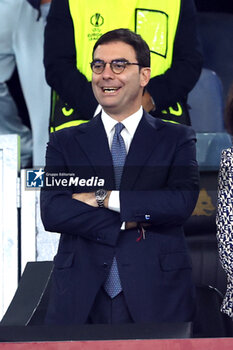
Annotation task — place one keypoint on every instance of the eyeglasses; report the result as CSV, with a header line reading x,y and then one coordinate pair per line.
x,y
117,66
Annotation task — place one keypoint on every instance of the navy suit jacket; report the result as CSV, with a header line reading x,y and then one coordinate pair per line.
x,y
159,187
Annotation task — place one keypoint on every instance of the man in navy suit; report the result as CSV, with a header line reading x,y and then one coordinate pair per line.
x,y
124,238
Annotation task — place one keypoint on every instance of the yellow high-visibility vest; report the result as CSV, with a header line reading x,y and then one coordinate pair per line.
x,y
155,20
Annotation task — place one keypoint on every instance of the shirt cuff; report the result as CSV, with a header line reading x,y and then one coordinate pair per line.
x,y
114,201
114,204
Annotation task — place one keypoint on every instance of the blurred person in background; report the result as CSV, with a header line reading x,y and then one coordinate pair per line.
x,y
10,121
224,219
214,6
22,36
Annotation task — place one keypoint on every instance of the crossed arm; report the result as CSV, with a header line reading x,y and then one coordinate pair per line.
x,y
89,199
71,213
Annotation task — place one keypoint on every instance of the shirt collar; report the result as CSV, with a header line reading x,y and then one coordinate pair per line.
x,y
130,123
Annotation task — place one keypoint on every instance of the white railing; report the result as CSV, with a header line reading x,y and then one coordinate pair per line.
x,y
22,235
9,233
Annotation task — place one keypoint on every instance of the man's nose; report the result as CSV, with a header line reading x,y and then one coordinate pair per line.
x,y
108,73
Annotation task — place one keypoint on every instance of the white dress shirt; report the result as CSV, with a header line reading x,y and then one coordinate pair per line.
x,y
130,126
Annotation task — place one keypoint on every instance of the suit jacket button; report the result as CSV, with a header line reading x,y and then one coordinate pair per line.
x,y
105,265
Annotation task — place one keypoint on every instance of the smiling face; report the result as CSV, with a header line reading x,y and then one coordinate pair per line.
x,y
120,95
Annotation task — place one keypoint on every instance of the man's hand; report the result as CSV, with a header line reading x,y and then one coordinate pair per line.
x,y
86,197
134,224
147,102
89,198
130,224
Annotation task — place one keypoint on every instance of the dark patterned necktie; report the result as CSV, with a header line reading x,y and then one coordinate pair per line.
x,y
118,150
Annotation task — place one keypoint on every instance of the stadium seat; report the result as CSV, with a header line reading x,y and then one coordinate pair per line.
x,y
209,149
206,103
29,304
216,35
209,321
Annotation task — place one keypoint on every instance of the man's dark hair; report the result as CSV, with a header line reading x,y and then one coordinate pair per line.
x,y
127,36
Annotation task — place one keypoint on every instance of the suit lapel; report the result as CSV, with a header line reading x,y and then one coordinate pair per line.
x,y
145,140
94,143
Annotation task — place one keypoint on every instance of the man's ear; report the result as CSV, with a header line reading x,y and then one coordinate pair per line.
x,y
145,73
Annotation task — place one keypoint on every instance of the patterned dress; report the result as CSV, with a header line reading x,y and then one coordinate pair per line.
x,y
224,221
